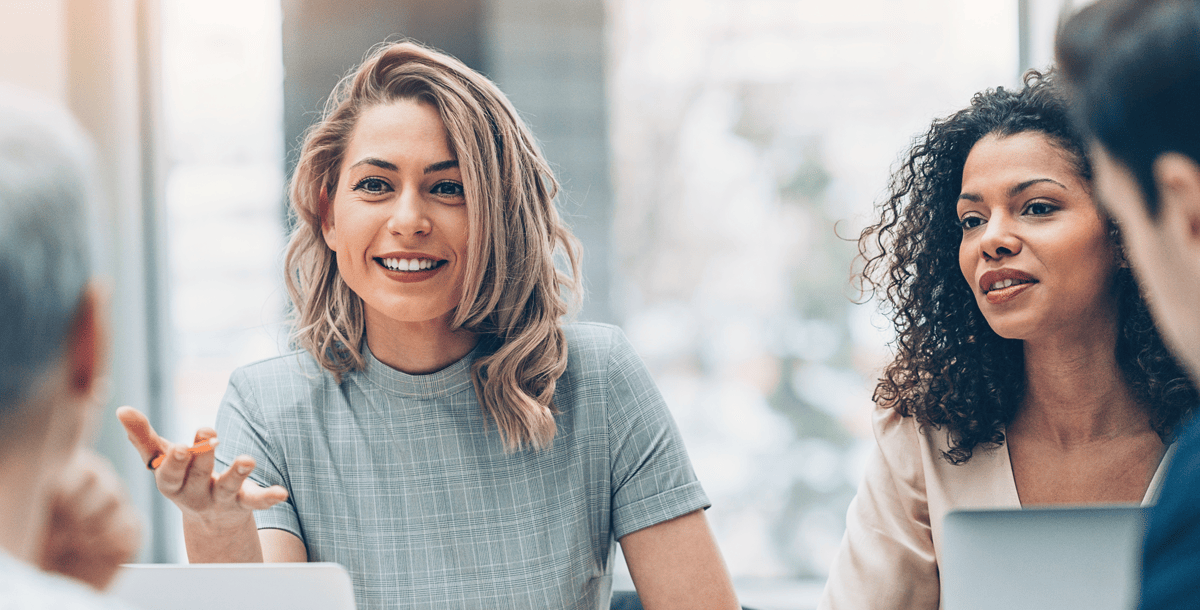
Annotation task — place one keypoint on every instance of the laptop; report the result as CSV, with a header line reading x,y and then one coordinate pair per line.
x,y
1044,558
235,586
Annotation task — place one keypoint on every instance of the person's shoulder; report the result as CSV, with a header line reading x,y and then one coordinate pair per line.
x,y
903,441
592,346
589,336
288,384
297,368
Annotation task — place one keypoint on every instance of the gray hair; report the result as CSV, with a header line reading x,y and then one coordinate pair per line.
x,y
45,187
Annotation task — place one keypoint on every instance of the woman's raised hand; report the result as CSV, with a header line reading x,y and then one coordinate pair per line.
x,y
215,506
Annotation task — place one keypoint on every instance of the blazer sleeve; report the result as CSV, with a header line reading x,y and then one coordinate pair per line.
x,y
887,560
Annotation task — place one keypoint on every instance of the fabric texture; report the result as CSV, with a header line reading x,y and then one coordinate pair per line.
x,y
23,587
401,479
888,557
1171,561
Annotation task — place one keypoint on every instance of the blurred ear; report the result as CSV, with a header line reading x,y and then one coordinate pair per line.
x,y
327,229
87,343
1177,177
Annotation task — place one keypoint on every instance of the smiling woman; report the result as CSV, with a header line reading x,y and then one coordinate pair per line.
x,y
398,226
1027,370
441,431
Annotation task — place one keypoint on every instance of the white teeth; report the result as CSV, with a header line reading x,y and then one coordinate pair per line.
x,y
1003,284
405,264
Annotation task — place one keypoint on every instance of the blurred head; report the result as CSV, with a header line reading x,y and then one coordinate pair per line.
x,y
505,287
1001,187
1134,70
50,342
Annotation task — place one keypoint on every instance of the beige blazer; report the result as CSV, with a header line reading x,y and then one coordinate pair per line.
x,y
888,557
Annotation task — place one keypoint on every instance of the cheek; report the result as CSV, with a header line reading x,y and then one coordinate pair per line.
x,y
966,264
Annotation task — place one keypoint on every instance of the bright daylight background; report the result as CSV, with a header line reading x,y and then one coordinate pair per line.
x,y
749,139
739,147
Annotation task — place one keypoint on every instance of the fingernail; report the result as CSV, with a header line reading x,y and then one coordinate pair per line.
x,y
244,470
181,453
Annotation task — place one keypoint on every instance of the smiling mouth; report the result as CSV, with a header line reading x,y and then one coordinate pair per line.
x,y
409,265
1002,284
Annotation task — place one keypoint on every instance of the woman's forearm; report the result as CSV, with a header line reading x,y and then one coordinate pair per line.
x,y
226,543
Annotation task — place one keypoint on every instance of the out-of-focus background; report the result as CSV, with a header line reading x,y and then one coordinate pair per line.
x,y
717,158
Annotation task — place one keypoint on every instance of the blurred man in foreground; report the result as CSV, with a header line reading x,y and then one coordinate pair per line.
x,y
62,510
1135,69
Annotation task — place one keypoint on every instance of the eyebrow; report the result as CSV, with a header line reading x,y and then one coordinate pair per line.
x,y
1015,190
441,166
380,163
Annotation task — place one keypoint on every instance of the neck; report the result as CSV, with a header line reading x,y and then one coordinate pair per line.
x,y
1076,392
417,348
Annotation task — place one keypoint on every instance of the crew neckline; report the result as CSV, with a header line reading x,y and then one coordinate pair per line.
x,y
450,380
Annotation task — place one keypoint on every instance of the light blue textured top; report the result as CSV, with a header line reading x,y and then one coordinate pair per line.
x,y
402,480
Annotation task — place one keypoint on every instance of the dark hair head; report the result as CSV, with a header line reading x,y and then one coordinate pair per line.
x,y
1134,69
951,369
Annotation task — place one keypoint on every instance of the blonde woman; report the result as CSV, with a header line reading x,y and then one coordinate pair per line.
x,y
441,433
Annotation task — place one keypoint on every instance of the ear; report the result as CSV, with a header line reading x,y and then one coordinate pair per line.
x,y
87,344
326,210
1177,177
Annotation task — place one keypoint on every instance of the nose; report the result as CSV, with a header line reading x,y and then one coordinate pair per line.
x,y
998,239
409,214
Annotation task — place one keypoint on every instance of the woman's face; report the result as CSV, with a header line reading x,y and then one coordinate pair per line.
x,y
398,220
1034,249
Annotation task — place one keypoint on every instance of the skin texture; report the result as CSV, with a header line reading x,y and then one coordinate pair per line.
x,y
1165,250
218,523
1079,435
416,205
676,565
1049,229
92,528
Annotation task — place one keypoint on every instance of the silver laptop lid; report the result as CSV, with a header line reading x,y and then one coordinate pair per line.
x,y
1051,558
233,586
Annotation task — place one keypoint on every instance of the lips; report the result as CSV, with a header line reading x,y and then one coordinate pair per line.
x,y
410,266
1004,284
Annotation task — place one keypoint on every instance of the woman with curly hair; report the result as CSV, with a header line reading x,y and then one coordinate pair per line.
x,y
1027,368
441,433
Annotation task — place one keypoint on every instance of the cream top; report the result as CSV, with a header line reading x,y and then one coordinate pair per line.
x,y
888,556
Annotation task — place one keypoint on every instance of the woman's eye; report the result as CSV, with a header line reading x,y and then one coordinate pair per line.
x,y
448,189
1038,208
373,186
970,222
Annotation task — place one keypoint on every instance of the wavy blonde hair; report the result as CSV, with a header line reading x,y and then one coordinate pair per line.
x,y
514,296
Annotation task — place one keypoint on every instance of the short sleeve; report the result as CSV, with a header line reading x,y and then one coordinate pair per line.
x,y
652,478
243,431
887,559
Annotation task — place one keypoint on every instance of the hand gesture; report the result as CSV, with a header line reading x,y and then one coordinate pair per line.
x,y
92,528
216,503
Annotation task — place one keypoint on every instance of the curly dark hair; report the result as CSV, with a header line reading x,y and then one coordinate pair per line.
x,y
951,369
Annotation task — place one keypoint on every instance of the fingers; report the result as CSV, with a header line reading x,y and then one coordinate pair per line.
x,y
203,461
141,434
226,489
257,498
234,486
182,478
91,526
